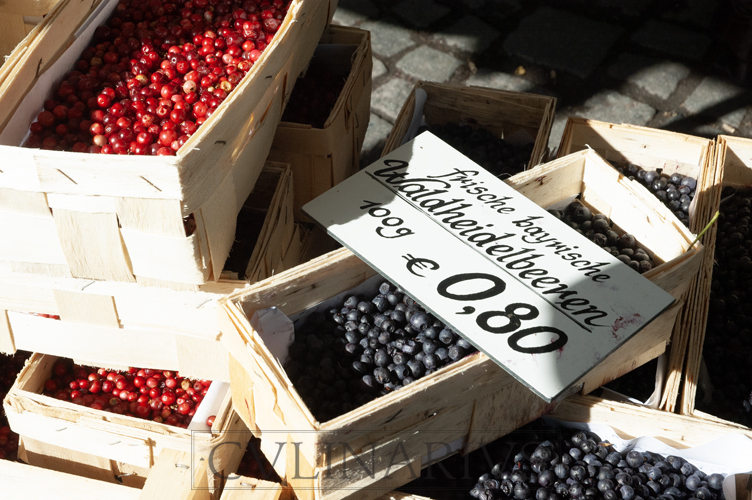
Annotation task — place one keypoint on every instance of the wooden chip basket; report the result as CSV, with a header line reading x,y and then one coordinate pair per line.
x,y
115,437
499,111
651,149
632,209
733,167
120,218
630,421
322,158
180,326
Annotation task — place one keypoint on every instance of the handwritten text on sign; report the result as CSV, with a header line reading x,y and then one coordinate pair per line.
x,y
541,300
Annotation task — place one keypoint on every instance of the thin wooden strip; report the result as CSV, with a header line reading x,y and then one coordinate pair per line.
x,y
25,481
176,476
88,309
78,203
90,343
152,216
7,343
27,7
13,31
92,245
24,202
30,238
166,258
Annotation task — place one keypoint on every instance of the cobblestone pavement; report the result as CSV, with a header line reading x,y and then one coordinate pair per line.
x,y
645,62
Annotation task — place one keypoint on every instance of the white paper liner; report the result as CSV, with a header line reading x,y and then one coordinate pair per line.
x,y
17,130
209,406
728,455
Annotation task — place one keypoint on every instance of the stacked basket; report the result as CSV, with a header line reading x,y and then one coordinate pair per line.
x,y
97,265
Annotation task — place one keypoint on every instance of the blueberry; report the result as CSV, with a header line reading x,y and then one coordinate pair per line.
x,y
521,491
446,336
352,301
419,321
456,352
385,288
467,346
605,484
576,490
635,459
578,472
431,362
703,493
366,307
610,495
627,492
690,182
416,368
715,481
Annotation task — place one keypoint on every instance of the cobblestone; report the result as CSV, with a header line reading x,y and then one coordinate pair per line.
x,y
387,100
469,34
714,97
387,39
562,41
671,39
426,63
379,68
654,76
420,13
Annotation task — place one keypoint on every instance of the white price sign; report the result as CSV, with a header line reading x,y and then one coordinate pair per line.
x,y
538,298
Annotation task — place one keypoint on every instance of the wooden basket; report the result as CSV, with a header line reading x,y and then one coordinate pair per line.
x,y
115,437
180,326
17,19
499,111
120,218
733,162
468,403
651,149
322,158
631,208
630,421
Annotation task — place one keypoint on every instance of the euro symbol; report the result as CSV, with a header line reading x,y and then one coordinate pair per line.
x,y
420,263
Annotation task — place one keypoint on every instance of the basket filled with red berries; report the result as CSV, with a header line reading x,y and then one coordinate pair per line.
x,y
126,415
129,152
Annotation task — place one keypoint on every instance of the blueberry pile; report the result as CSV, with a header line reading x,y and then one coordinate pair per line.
x,y
367,347
598,229
675,191
496,155
728,339
588,468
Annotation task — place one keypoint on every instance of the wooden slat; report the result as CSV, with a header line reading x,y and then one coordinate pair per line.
x,y
12,31
88,309
24,481
152,216
176,476
166,258
92,245
83,342
7,342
